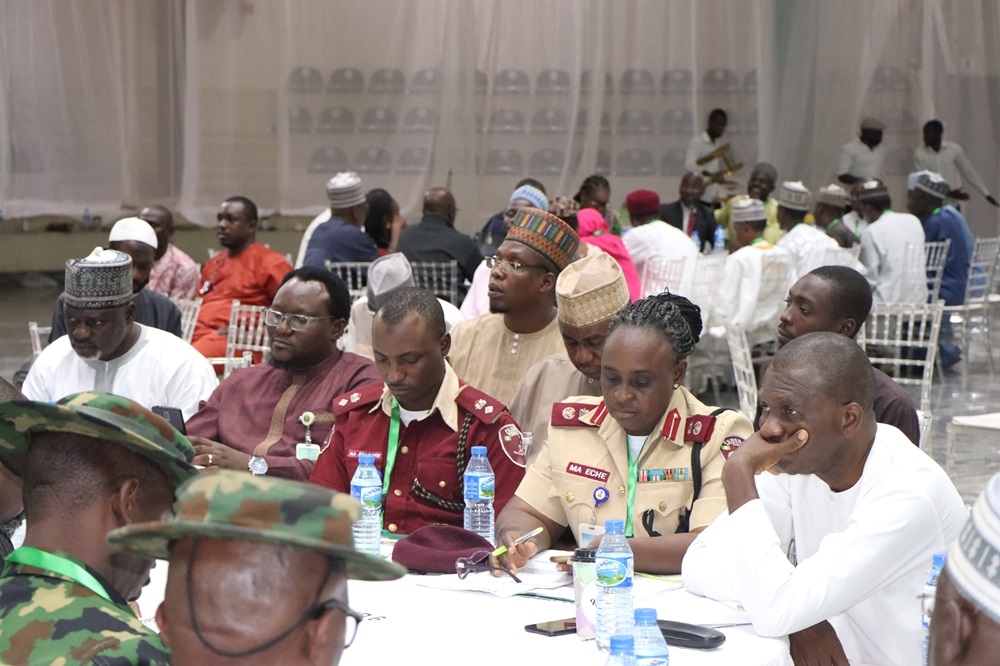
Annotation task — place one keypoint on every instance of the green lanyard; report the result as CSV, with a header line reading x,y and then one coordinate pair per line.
x,y
390,453
832,225
759,239
630,483
58,564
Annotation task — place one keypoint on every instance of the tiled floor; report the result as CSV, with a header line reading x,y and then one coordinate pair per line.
x,y
970,458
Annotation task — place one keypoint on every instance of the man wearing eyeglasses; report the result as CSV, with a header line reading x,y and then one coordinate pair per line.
x,y
271,418
258,571
494,351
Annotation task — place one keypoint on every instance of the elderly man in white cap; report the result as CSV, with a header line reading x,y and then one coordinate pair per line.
x,y
831,203
803,241
965,613
342,236
105,349
589,293
385,276
137,239
861,159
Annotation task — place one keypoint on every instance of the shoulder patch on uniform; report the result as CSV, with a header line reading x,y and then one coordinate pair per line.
x,y
362,396
729,446
699,428
572,414
474,401
511,443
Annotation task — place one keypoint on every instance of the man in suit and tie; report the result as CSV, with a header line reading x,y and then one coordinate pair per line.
x,y
688,213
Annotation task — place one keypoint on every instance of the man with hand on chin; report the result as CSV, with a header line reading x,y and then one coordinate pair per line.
x,y
839,537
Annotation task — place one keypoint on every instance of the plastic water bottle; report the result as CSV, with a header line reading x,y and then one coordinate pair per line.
x,y
622,651
615,566
479,491
650,646
930,589
366,487
696,239
719,242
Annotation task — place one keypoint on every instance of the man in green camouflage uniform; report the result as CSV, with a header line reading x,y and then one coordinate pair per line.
x,y
89,463
258,570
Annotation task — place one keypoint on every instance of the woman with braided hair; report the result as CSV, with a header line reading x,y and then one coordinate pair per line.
x,y
647,451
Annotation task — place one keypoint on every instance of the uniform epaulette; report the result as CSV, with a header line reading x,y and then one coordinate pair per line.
x,y
572,414
362,396
485,408
699,428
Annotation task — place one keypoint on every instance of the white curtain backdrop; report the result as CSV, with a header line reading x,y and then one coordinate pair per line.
x,y
111,103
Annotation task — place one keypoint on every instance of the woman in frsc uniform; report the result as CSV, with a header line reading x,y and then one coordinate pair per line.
x,y
648,452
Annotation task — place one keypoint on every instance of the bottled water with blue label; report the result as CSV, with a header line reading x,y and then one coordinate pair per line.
x,y
480,483
719,242
696,239
366,487
930,590
615,566
650,646
622,653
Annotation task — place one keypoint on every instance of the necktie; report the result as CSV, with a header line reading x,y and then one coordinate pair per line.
x,y
690,227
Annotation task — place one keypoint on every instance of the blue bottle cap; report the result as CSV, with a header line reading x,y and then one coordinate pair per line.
x,y
614,526
623,643
479,450
939,559
645,616
366,458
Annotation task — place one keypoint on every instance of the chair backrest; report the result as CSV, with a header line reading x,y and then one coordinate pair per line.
x,y
230,363
746,381
353,273
246,330
926,419
189,307
437,277
777,273
838,256
915,269
707,273
985,259
661,274
39,337
901,335
935,254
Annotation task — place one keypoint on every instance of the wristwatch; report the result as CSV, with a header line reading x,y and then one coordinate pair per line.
x,y
257,465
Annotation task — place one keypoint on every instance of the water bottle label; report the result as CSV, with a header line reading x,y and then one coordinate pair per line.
x,y
369,496
614,571
479,487
652,661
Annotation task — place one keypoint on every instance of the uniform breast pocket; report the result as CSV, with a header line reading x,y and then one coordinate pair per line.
x,y
664,501
576,495
439,477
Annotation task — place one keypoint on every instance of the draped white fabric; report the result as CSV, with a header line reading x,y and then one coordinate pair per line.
x,y
111,103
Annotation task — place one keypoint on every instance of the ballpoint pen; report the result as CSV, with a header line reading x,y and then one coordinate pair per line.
x,y
521,539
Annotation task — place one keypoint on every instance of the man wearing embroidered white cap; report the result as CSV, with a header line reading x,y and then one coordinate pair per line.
x,y
965,613
831,204
803,241
105,349
385,276
137,239
341,237
883,246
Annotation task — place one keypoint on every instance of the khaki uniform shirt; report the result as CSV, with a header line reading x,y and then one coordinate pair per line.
x,y
588,450
486,354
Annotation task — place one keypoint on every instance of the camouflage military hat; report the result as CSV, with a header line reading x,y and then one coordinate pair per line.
x,y
109,418
225,504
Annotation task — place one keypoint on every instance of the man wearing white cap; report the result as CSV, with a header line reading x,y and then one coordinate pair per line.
x,y
884,247
861,159
385,276
105,349
831,202
589,293
803,241
341,237
965,613
137,239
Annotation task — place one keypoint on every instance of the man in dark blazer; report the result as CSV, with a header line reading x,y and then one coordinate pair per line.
x,y
688,213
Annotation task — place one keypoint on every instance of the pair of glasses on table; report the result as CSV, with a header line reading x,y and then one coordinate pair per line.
x,y
478,562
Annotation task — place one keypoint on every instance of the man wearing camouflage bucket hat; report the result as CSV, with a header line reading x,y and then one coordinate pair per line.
x,y
493,352
292,540
89,463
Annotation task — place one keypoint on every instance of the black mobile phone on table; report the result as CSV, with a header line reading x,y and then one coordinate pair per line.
x,y
555,628
171,415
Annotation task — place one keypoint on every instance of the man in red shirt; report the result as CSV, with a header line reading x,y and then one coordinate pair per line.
x,y
246,271
421,424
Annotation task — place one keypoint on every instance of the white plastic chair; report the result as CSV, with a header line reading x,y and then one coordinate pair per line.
x,y
975,312
39,337
189,307
230,363
893,331
935,254
353,273
659,275
743,371
247,332
438,277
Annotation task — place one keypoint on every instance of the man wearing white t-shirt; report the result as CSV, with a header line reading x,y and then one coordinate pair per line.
x,y
833,547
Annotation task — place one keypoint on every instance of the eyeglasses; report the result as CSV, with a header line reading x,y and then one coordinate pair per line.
x,y
295,322
510,266
351,617
478,562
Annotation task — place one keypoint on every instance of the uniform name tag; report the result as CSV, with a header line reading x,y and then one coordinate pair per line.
x,y
586,472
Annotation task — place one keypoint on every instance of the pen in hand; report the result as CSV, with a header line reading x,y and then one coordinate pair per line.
x,y
521,539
